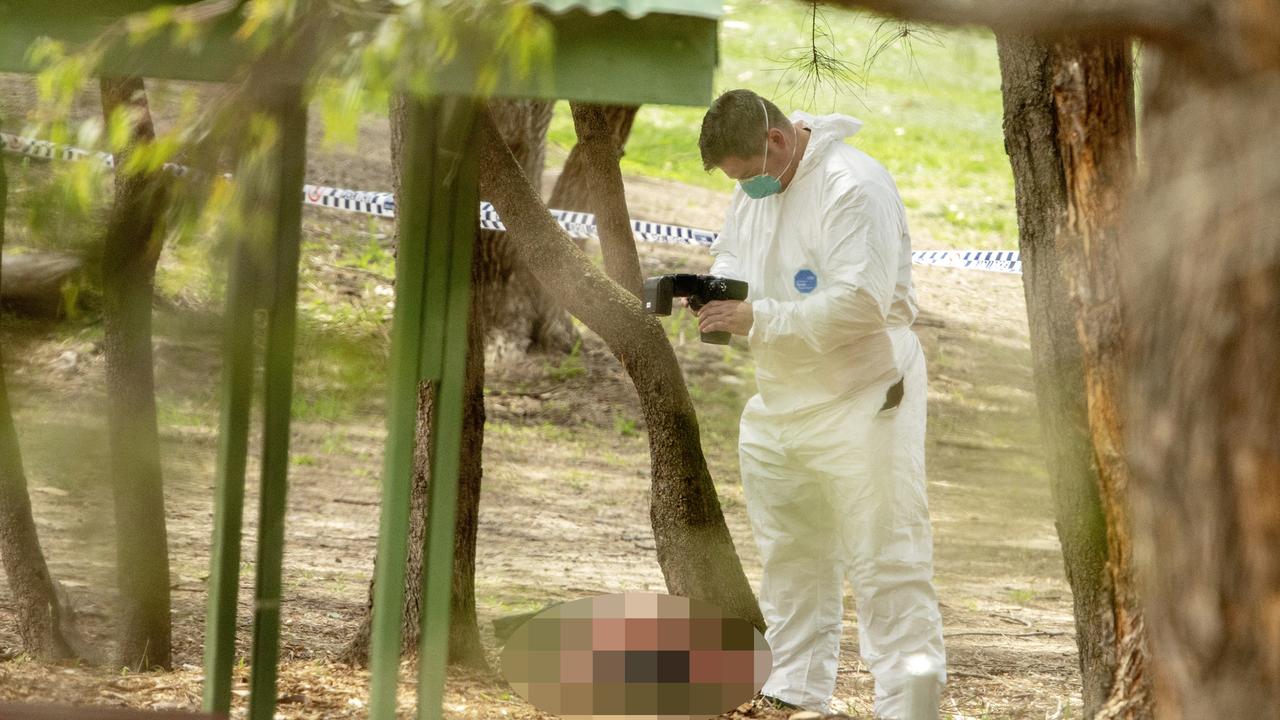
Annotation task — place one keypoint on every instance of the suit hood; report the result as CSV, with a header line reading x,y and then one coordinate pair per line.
x,y
825,130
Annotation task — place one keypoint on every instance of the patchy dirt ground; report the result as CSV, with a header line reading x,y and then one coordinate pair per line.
x,y
566,498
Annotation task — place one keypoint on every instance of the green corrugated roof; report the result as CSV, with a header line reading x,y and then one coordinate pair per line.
x,y
638,8
606,51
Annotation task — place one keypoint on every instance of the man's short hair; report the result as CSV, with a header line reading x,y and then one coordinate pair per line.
x,y
734,126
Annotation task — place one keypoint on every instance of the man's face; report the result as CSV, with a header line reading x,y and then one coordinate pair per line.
x,y
738,169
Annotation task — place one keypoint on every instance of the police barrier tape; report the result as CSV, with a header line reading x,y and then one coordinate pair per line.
x,y
577,224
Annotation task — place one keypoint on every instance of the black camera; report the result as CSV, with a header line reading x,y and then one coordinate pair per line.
x,y
700,289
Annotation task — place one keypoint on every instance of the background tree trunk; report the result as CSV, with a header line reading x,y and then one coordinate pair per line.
x,y
695,549
1069,129
1203,287
130,252
38,612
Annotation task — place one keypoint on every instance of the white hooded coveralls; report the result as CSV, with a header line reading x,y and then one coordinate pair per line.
x,y
835,486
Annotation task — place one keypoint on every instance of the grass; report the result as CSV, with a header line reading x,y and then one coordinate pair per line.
x,y
568,367
932,116
625,426
1022,596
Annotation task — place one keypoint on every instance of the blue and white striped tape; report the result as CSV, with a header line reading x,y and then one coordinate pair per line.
x,y
577,224
1006,261
382,204
45,150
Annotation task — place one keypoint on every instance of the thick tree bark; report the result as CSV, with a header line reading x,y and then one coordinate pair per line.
x,y
1203,287
38,612
1093,97
573,189
695,549
131,249
1030,125
1069,132
600,153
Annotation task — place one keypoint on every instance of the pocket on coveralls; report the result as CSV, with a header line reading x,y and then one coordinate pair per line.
x,y
892,400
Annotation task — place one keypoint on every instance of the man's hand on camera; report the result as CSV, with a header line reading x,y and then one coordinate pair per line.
x,y
726,316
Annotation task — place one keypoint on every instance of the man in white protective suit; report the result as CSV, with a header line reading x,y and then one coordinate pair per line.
x,y
832,446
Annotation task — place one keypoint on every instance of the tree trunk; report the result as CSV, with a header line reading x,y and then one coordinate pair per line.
x,y
38,612
600,154
1069,134
465,647
1203,287
1093,94
573,188
488,272
695,550
131,249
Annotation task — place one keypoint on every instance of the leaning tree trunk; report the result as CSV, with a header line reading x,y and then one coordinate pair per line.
x,y
599,153
573,189
1204,290
532,317
1069,127
695,549
491,271
130,252
37,610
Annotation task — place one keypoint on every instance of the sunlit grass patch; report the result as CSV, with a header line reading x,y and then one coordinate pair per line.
x,y
933,117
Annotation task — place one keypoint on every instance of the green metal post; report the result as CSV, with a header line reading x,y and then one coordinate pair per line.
x,y
233,448
291,114
414,210
457,185
437,226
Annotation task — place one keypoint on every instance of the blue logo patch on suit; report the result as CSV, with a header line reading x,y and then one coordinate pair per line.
x,y
806,281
